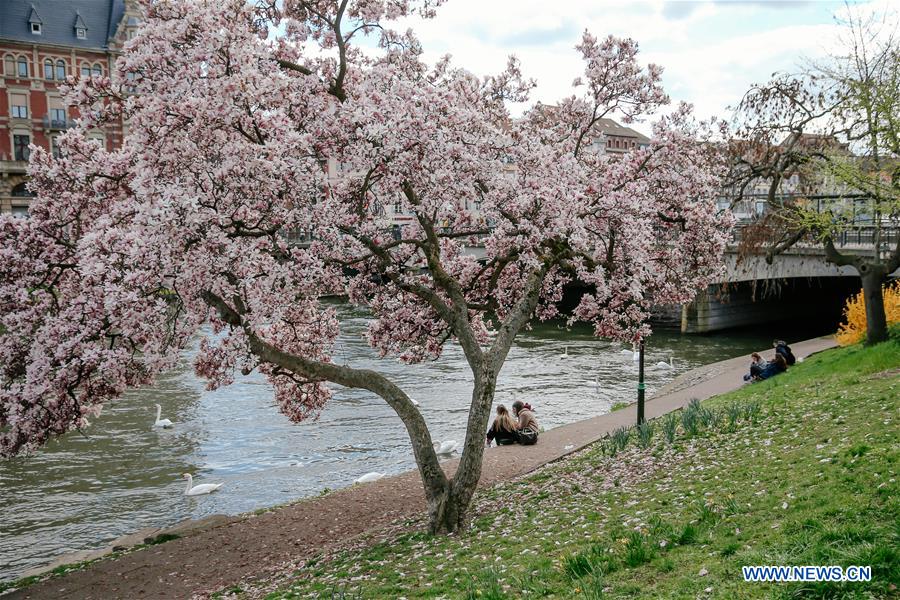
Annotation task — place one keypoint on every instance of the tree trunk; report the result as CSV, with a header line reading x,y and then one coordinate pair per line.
x,y
876,322
448,510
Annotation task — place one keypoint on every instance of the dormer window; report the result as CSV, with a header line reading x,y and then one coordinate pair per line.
x,y
80,27
34,21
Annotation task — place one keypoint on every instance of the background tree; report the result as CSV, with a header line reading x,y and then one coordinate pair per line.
x,y
824,147
233,142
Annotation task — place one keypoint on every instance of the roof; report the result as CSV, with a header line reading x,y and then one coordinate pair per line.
x,y
610,127
58,18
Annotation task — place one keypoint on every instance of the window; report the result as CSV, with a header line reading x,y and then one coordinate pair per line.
x,y
21,191
61,70
23,67
58,115
36,28
48,69
20,147
80,33
54,146
9,65
97,71
18,106
85,70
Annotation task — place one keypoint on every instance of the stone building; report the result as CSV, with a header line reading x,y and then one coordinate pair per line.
x,y
42,44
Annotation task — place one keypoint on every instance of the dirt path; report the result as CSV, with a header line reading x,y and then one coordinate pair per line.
x,y
214,558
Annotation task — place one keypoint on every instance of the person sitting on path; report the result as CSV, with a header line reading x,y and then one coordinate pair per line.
x,y
528,425
503,429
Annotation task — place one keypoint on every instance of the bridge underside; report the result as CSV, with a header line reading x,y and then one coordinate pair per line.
x,y
747,303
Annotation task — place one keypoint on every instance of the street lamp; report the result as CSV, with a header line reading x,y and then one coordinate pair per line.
x,y
640,402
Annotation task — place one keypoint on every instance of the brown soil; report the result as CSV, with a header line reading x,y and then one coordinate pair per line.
x,y
212,559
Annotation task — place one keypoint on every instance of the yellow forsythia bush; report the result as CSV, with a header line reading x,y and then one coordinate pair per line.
x,y
853,330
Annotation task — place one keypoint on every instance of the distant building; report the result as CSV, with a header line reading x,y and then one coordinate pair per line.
x,y
611,138
42,42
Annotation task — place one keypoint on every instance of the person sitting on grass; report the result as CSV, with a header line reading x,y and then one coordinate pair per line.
x,y
528,425
776,365
503,429
757,364
783,350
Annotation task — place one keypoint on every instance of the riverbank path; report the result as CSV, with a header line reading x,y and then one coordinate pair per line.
x,y
206,560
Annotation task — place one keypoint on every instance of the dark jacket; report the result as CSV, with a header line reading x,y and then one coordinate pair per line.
x,y
785,351
502,436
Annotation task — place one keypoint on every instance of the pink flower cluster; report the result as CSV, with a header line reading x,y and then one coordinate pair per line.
x,y
238,139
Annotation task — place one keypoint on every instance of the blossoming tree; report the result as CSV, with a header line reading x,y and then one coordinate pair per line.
x,y
233,137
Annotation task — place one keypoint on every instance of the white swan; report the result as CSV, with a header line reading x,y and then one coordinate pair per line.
x,y
369,477
565,353
164,423
199,490
445,448
666,365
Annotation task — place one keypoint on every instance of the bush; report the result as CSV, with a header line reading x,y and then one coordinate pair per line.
x,y
853,329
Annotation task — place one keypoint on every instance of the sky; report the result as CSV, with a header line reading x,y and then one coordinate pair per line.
x,y
711,50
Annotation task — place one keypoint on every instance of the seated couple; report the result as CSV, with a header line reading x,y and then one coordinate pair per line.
x,y
760,369
521,429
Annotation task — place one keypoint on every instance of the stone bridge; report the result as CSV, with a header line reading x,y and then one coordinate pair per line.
x,y
799,285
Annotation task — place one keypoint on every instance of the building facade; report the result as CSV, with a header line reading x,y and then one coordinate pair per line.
x,y
43,43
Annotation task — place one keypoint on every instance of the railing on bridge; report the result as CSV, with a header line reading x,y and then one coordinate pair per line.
x,y
860,236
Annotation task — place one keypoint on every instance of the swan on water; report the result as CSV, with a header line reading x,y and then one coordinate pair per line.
x,y
666,365
565,353
369,477
199,490
164,423
445,448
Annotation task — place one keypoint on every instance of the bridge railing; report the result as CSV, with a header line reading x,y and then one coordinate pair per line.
x,y
861,235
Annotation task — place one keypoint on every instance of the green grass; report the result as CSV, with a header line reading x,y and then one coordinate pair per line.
x,y
800,469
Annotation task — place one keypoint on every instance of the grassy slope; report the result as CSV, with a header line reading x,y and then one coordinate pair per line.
x,y
805,474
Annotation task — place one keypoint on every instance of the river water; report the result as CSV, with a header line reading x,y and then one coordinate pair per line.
x,y
82,491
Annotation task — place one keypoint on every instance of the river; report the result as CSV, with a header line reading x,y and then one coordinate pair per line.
x,y
82,491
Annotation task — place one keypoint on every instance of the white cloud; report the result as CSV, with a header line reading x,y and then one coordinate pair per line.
x,y
711,51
